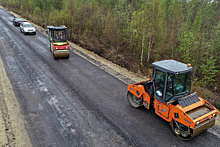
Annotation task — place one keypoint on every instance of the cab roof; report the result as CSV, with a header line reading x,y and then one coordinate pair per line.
x,y
57,27
171,66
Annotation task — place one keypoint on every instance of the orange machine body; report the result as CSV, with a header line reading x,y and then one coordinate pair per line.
x,y
168,92
168,111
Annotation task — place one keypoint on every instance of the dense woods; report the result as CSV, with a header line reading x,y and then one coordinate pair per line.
x,y
135,33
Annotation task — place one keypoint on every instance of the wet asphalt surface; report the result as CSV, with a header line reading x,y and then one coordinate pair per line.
x,y
71,102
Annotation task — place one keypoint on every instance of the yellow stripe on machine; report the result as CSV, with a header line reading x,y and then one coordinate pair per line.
x,y
60,43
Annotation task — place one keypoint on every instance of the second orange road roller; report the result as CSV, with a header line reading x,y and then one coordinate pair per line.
x,y
59,45
169,92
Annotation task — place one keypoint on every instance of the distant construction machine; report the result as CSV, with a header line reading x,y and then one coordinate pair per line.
x,y
168,91
59,45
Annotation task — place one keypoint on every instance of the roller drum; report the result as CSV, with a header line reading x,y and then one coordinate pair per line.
x,y
203,127
196,131
61,54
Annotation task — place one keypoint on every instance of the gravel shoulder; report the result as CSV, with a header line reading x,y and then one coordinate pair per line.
x,y
12,124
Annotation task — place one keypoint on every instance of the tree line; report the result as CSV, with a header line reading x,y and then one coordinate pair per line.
x,y
135,33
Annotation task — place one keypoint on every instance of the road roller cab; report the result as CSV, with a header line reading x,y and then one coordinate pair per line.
x,y
169,92
59,45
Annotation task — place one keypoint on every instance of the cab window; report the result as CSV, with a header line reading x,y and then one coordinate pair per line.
x,y
50,33
159,81
169,88
59,35
177,84
182,83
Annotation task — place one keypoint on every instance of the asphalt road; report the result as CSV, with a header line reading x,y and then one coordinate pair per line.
x,y
71,102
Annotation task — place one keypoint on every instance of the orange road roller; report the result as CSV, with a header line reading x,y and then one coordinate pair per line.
x,y
59,45
169,92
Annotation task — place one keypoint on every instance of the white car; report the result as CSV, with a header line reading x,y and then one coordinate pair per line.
x,y
27,28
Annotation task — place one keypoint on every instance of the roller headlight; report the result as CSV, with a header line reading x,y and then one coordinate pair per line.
x,y
213,114
197,122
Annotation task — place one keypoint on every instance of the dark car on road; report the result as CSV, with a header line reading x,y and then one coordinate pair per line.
x,y
17,21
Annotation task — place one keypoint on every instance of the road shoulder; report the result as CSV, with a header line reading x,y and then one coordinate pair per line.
x,y
12,124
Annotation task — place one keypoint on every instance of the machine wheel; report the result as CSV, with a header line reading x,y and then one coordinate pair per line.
x,y
184,135
133,100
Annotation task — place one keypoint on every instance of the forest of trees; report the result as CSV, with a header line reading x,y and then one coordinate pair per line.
x,y
135,33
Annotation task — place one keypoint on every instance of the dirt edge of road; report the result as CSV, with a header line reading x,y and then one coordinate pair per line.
x,y
121,73
12,124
